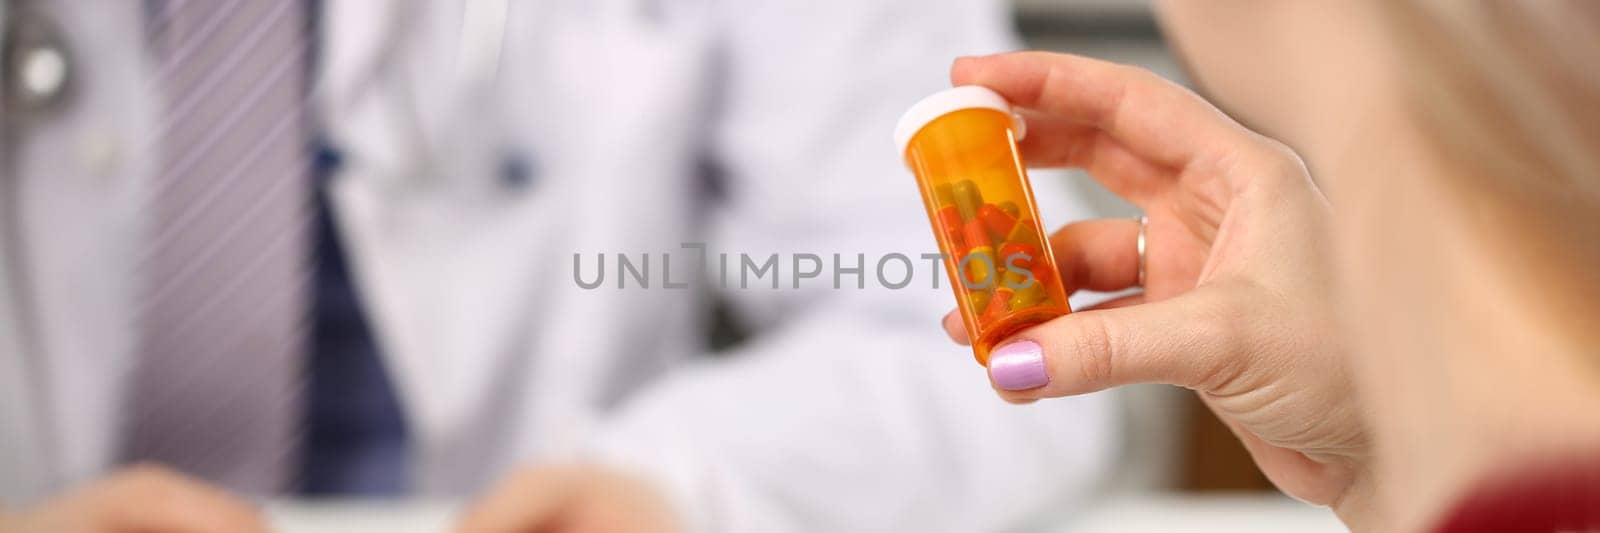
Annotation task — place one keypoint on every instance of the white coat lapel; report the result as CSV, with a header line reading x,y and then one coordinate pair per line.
x,y
435,254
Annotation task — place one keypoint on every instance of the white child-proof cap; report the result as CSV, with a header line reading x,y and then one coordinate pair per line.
x,y
949,101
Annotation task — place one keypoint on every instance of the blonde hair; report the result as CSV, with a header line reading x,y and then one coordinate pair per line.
x,y
1506,78
1508,92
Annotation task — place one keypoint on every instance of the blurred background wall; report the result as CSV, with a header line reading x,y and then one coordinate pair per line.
x,y
1174,442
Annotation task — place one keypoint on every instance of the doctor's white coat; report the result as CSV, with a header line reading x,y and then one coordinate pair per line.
x,y
846,411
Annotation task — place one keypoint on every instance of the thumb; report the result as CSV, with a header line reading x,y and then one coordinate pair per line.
x,y
1189,341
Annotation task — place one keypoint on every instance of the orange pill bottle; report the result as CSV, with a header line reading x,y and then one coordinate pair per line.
x,y
962,145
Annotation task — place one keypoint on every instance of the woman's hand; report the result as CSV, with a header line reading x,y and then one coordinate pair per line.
x,y
1236,296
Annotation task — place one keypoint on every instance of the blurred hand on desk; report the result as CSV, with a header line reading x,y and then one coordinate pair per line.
x,y
569,499
139,498
566,499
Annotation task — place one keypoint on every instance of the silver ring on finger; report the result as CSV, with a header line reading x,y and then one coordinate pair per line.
x,y
1144,224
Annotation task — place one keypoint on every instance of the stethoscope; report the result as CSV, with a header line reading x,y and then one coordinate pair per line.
x,y
36,62
36,78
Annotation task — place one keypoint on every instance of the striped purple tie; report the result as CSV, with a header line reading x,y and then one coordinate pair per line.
x,y
216,388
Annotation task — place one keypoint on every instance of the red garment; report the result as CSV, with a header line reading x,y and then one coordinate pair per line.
x,y
1558,497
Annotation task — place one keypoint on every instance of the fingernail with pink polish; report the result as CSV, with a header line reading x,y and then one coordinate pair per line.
x,y
1018,366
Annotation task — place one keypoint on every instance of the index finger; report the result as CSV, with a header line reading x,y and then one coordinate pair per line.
x,y
1152,117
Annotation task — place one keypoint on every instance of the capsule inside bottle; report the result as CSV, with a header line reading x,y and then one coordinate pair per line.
x,y
961,145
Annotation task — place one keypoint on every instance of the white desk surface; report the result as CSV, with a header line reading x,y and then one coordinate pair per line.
x,y
1122,514
1185,513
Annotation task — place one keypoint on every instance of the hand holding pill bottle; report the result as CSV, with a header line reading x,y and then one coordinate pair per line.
x,y
961,144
